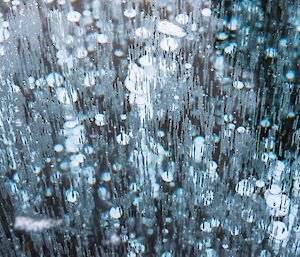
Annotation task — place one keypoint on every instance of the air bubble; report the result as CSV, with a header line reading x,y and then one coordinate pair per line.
x,y
265,123
169,28
72,196
123,139
115,212
63,96
142,33
244,188
206,12
182,19
73,16
169,44
130,13
54,79
167,176
100,119
238,84
102,38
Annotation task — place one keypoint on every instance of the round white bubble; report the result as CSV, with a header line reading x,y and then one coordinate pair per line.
x,y
100,119
102,38
72,196
123,139
265,123
167,176
130,13
142,33
238,84
169,44
58,148
115,212
146,60
54,79
244,188
182,18
279,230
260,183
73,16
241,129
63,96
206,12
275,189
273,201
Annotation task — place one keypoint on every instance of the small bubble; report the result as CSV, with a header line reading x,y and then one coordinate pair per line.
x,y
188,66
54,79
58,148
273,201
182,19
238,84
265,123
260,183
167,176
279,230
123,139
72,196
106,177
115,212
119,53
290,75
142,33
102,38
271,52
130,13
206,12
228,118
244,188
230,48
233,24
222,36
100,119
73,16
63,97
241,129
169,44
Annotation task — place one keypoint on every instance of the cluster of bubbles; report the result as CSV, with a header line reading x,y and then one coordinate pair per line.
x,y
149,128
